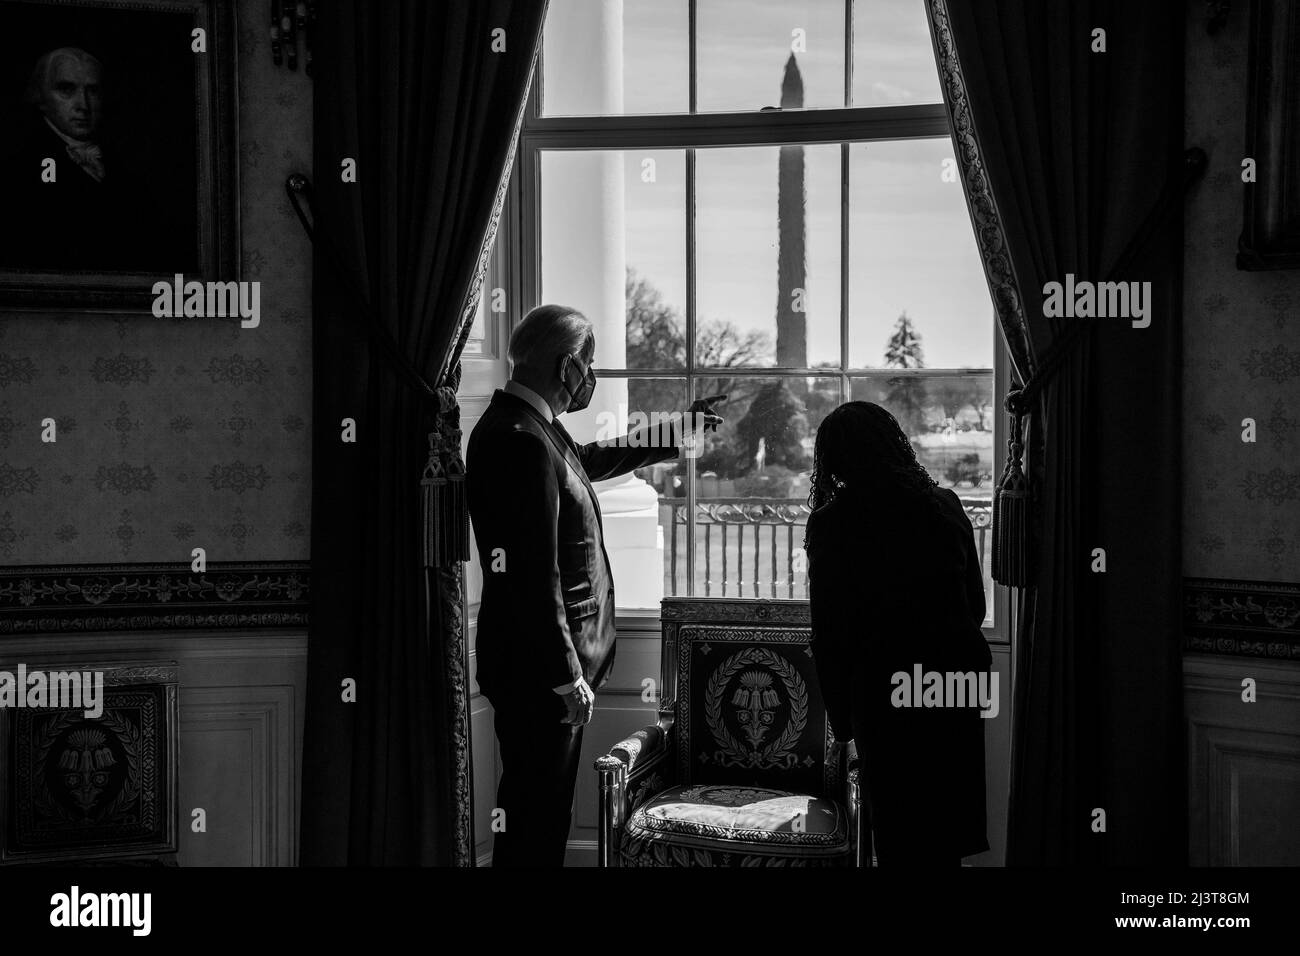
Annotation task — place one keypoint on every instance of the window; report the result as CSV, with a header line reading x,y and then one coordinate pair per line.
x,y
756,198
476,340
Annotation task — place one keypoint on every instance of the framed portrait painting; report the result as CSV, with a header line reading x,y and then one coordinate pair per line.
x,y
118,157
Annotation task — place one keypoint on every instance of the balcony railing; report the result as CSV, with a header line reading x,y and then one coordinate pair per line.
x,y
745,547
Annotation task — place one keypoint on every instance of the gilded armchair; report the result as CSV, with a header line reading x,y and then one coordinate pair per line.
x,y
740,768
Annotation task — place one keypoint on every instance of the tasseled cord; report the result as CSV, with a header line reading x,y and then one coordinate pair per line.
x,y
1011,507
444,510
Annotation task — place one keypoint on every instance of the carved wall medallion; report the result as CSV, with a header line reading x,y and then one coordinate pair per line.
x,y
80,788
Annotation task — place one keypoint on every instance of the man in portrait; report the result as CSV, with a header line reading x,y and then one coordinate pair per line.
x,y
72,202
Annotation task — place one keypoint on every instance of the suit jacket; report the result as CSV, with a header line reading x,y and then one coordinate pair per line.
x,y
893,584
547,611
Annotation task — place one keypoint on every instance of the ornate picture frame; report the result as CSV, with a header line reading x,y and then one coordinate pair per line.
x,y
119,158
1270,238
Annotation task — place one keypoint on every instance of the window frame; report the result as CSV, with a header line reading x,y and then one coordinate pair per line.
x,y
517,258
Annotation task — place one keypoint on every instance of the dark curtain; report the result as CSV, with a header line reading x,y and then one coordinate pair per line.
x,y
415,93
1068,157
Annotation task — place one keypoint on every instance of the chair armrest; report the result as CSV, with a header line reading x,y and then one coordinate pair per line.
x,y
629,758
639,748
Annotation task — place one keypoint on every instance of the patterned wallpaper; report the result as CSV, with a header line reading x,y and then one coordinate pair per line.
x,y
1241,502
176,433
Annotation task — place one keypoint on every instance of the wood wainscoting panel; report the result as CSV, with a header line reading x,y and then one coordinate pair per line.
x,y
1243,761
240,770
484,754
620,710
997,764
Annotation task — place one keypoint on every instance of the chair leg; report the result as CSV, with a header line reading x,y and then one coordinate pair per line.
x,y
859,828
611,776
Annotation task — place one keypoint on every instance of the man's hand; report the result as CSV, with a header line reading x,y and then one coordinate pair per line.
x,y
701,413
699,419
580,705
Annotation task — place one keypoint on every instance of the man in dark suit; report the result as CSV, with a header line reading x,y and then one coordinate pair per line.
x,y
546,619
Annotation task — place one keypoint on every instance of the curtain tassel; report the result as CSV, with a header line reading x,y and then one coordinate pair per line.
x,y
456,513
444,509
433,495
1011,513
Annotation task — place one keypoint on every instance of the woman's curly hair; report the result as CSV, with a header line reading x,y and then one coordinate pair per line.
x,y
860,446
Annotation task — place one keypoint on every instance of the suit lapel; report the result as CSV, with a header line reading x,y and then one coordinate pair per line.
x,y
560,444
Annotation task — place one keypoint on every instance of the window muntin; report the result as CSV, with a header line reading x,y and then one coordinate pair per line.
x,y
885,226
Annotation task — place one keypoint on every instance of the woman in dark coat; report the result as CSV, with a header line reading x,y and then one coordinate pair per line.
x,y
895,582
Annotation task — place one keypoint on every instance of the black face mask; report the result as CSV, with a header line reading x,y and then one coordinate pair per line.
x,y
579,395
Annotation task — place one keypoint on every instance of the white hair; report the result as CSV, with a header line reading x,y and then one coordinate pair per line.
x,y
38,83
546,333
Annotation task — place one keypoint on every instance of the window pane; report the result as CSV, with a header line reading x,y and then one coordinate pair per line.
x,y
744,51
893,59
751,486
912,253
602,58
768,256
478,330
636,509
949,419
614,247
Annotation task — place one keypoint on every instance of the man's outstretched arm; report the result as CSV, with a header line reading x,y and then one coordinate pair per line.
x,y
659,440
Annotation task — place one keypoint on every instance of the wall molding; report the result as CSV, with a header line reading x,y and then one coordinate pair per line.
x,y
1242,618
60,599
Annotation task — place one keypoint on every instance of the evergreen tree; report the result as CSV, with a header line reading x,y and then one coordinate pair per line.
x,y
906,394
903,350
778,416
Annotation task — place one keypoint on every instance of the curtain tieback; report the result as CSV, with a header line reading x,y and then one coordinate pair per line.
x,y
1012,496
444,506
443,510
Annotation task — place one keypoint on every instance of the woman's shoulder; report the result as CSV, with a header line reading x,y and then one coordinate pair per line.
x,y
954,510
831,513
827,522
951,499
957,505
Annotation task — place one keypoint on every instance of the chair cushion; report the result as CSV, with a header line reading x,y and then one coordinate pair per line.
x,y
733,825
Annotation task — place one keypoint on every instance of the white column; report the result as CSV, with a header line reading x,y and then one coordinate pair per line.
x,y
584,264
